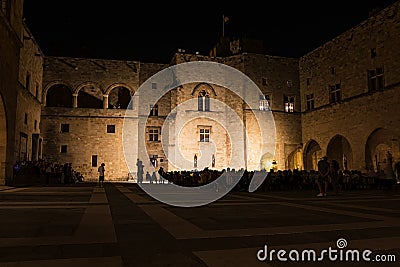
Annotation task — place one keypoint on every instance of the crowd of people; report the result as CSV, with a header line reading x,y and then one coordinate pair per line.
x,y
328,177
44,172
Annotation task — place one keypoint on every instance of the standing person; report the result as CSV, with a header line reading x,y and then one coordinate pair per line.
x,y
154,177
140,166
148,177
323,176
101,171
161,173
335,176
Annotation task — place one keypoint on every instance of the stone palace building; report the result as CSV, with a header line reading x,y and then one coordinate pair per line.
x,y
341,100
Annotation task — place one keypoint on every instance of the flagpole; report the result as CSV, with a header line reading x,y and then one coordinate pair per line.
x,y
223,25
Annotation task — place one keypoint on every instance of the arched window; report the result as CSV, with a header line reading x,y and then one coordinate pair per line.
x,y
203,101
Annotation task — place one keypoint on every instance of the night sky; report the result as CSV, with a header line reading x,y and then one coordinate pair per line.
x,y
152,32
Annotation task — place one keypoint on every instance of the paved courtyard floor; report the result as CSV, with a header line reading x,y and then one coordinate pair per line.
x,y
120,225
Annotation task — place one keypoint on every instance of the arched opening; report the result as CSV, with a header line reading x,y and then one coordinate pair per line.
x,y
266,161
339,149
3,141
381,150
119,97
312,153
295,160
59,95
90,96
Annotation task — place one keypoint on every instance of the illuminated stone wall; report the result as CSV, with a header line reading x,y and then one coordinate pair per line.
x,y
345,60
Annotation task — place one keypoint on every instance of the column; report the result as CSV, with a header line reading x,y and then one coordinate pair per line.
x,y
105,101
74,100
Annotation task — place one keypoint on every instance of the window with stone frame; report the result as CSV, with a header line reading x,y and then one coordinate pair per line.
x,y
289,103
373,52
376,79
203,100
205,132
28,81
63,149
154,110
309,102
265,102
110,128
335,93
154,134
94,160
64,128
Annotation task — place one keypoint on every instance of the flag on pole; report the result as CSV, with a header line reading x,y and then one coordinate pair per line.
x,y
224,20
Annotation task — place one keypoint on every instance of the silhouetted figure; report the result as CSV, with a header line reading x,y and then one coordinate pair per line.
x,y
154,177
140,172
335,176
148,177
101,171
323,176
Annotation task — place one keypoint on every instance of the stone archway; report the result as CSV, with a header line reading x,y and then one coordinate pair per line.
x,y
312,153
3,141
90,96
339,149
381,148
294,160
119,97
59,95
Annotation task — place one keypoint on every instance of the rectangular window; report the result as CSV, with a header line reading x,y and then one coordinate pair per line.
x,y
111,128
373,52
289,103
308,81
94,160
5,7
333,70
35,125
203,103
154,86
23,147
204,134
154,134
28,81
335,93
310,101
153,110
376,79
289,83
264,81
26,119
64,128
37,91
63,149
265,102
